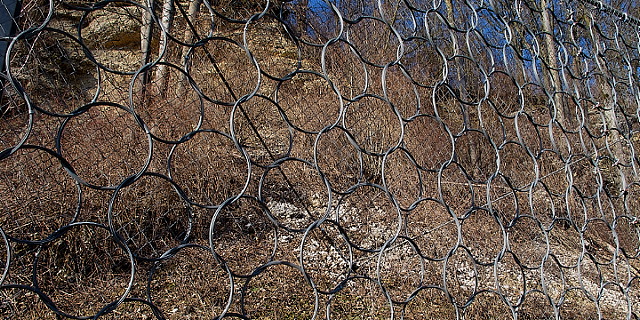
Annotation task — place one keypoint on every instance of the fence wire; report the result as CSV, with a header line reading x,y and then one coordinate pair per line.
x,y
320,159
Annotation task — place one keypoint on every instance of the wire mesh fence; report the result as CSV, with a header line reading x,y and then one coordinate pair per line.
x,y
314,159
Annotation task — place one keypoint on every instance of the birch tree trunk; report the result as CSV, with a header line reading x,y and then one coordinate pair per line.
x,y
146,32
167,21
189,35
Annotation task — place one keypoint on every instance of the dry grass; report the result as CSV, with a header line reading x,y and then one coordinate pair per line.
x,y
432,201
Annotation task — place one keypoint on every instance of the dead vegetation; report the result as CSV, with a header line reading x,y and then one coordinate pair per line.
x,y
267,177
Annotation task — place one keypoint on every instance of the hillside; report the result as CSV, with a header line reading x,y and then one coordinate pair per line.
x,y
320,160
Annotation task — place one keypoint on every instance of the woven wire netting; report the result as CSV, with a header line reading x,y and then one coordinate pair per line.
x,y
316,159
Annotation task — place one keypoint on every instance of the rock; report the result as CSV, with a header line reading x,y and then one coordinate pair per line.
x,y
113,28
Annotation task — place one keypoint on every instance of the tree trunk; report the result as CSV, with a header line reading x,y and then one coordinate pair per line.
x,y
449,4
551,57
167,21
146,32
190,36
146,37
